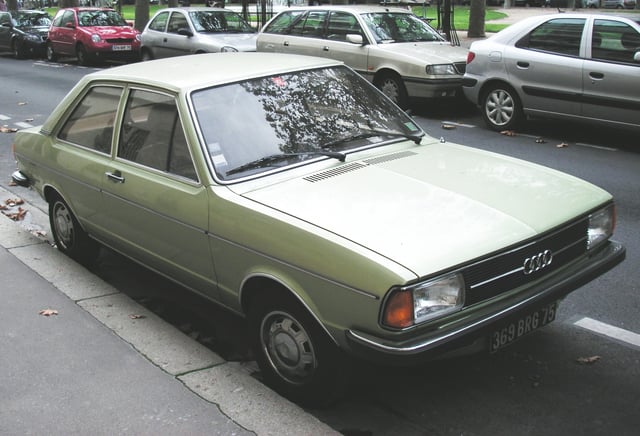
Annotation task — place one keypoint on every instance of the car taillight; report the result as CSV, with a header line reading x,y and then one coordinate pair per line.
x,y
470,56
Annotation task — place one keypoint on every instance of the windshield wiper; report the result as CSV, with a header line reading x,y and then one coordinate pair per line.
x,y
271,159
368,133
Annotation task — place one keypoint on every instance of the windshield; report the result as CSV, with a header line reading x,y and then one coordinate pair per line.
x,y
394,27
218,21
32,19
100,18
283,120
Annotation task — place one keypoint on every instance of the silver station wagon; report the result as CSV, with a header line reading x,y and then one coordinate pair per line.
x,y
399,52
291,191
578,67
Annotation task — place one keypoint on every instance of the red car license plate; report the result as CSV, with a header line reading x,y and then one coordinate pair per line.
x,y
121,48
509,333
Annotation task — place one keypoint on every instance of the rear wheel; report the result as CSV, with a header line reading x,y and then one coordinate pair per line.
x,y
501,108
68,235
393,87
51,55
296,356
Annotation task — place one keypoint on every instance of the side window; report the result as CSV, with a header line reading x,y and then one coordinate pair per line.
x,y
614,41
160,22
152,134
91,122
283,23
311,26
5,18
561,36
177,22
341,24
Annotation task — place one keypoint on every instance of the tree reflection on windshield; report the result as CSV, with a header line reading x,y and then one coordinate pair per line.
x,y
294,113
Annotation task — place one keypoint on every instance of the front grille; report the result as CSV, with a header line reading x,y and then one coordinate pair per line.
x,y
505,271
461,67
119,40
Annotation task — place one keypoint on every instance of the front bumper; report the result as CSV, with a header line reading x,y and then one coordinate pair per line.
x,y
472,333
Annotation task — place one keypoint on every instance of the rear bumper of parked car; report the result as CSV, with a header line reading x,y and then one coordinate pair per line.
x,y
472,334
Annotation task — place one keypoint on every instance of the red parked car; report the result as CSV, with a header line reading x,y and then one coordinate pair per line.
x,y
92,34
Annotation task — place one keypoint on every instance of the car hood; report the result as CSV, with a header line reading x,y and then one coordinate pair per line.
x,y
111,32
36,30
435,52
430,207
240,41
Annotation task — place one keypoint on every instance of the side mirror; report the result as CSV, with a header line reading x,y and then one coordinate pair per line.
x,y
355,38
70,26
185,32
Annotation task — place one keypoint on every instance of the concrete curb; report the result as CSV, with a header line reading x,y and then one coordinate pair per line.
x,y
228,385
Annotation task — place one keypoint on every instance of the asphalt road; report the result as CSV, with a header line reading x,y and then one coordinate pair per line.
x,y
563,379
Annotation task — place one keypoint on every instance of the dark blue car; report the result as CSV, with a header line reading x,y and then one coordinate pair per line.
x,y
24,32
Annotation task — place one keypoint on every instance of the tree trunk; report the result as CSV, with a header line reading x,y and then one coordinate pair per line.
x,y
68,3
476,19
142,14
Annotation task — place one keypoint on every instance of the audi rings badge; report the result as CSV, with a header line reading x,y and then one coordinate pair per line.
x,y
537,262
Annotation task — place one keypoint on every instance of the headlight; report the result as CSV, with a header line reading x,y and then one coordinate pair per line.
x,y
32,37
95,38
601,225
441,70
424,301
228,49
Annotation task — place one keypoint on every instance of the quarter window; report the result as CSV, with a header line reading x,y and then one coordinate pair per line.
x,y
91,122
561,36
152,134
614,41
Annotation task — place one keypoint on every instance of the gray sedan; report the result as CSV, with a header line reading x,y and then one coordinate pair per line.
x,y
183,31
567,66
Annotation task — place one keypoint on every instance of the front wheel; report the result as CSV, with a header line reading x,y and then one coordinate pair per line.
x,y
82,55
51,55
69,236
501,108
296,357
393,87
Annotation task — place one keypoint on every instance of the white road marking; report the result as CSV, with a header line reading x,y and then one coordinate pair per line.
x,y
453,123
4,117
609,330
23,125
599,147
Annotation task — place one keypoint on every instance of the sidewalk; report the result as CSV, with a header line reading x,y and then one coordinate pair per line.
x,y
94,368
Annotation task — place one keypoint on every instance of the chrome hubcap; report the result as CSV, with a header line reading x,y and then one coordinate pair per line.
x,y
64,225
500,107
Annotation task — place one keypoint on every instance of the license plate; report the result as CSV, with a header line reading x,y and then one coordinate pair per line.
x,y
121,48
513,331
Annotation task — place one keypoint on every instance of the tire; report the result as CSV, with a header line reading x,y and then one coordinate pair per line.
x,y
393,87
68,235
296,356
501,108
18,50
51,55
84,58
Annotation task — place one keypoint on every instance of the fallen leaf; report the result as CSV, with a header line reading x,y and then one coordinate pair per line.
x,y
134,316
588,360
448,126
562,145
48,312
6,129
16,216
13,202
28,120
508,133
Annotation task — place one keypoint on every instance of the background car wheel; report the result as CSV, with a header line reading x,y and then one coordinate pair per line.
x,y
501,108
296,357
69,237
393,87
18,49
82,55
51,55
146,55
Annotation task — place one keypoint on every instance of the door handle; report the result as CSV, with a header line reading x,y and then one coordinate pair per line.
x,y
286,43
325,48
522,64
164,40
596,76
115,176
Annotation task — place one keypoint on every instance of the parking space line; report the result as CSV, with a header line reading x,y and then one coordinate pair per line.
x,y
453,123
23,125
609,330
4,117
599,147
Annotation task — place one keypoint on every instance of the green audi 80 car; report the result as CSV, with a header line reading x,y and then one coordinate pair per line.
x,y
291,191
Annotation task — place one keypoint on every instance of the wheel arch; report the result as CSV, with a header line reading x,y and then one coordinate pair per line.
x,y
262,283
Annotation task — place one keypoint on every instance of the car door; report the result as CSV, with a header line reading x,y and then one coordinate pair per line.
x,y
63,33
304,35
545,67
610,76
175,43
154,205
82,152
155,34
336,45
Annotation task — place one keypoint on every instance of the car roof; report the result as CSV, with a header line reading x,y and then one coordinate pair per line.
x,y
203,70
196,8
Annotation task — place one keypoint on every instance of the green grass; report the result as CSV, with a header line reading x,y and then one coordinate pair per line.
x,y
460,22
